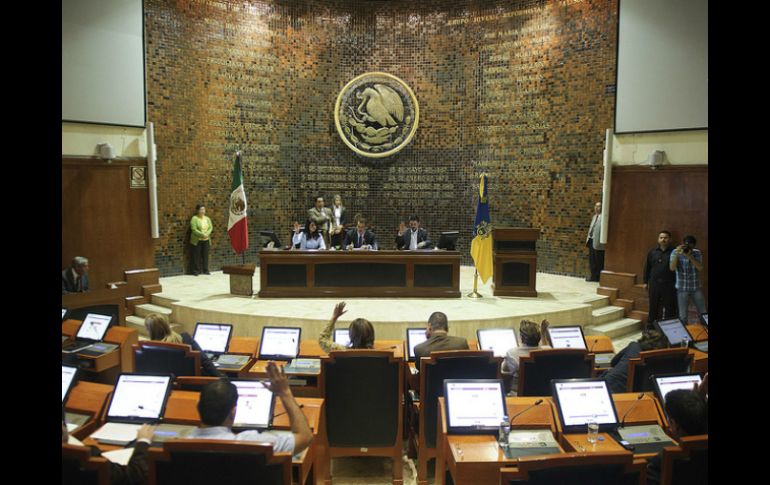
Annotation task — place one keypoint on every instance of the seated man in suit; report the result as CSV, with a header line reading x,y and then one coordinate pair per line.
x,y
438,338
531,338
360,237
75,278
688,415
617,375
413,238
217,407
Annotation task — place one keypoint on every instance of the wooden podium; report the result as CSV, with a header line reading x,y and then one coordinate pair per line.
x,y
515,260
241,276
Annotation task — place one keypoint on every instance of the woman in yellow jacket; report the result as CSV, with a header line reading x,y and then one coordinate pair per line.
x,y
200,227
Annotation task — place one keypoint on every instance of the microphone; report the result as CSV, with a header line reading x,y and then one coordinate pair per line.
x,y
623,421
591,349
537,403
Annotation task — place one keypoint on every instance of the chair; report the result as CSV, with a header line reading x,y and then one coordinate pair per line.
x,y
608,468
78,467
221,462
363,405
687,463
541,366
451,364
166,358
652,362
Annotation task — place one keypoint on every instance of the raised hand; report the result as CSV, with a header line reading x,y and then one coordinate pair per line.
x,y
339,310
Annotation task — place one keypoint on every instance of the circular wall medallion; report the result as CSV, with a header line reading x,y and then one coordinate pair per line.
x,y
376,114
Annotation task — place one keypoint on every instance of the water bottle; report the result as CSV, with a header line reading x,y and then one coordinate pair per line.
x,y
504,432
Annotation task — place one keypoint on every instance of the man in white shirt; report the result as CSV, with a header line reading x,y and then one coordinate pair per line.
x,y
531,338
217,405
413,238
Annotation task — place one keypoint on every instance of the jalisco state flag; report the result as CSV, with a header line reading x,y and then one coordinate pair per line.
x,y
237,227
481,245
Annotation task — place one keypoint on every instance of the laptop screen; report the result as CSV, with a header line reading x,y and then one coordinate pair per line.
x,y
255,405
474,405
498,340
67,378
579,400
567,337
63,313
213,337
94,326
342,336
674,331
704,319
139,398
279,343
414,337
666,384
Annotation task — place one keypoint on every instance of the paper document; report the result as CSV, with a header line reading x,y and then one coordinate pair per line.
x,y
118,433
120,457
532,439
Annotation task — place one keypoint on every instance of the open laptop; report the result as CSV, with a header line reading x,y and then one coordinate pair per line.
x,y
64,312
279,343
474,406
342,336
214,340
136,400
68,377
579,400
91,331
498,340
670,382
255,407
414,337
676,332
568,337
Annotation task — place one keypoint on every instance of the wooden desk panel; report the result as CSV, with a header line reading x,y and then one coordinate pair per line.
x,y
88,398
121,358
310,266
646,411
244,345
700,361
603,344
699,332
109,296
579,442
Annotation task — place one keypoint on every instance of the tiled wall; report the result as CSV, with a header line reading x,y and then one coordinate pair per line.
x,y
520,89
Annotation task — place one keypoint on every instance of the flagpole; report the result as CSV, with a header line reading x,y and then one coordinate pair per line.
x,y
475,293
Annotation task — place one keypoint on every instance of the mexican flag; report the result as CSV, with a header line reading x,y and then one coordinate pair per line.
x,y
237,227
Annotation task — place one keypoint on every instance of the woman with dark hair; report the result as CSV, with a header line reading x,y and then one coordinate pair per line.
x,y
340,220
360,331
159,330
200,231
310,238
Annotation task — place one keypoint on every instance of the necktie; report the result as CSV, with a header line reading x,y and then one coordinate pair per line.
x,y
359,240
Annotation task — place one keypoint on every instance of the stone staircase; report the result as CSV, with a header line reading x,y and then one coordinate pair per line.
x,y
160,304
611,320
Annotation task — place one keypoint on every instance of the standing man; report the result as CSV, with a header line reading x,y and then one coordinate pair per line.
x,y
360,237
323,218
414,238
595,248
660,281
75,278
688,263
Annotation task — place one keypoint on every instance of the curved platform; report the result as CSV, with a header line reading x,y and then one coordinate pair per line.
x,y
206,298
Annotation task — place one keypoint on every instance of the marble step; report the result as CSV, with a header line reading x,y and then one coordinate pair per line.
x,y
137,323
615,329
596,301
162,299
600,315
148,308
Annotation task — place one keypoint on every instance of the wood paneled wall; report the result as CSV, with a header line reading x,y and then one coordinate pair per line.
x,y
644,202
103,219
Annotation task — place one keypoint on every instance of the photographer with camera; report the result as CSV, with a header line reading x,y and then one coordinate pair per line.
x,y
687,262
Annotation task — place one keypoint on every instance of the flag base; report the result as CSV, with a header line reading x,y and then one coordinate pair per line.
x,y
474,293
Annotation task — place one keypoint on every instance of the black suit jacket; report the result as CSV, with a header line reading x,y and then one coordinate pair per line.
x,y
68,284
439,342
351,237
403,241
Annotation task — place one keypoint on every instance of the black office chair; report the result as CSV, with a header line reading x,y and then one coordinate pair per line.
x,y
166,358
541,366
207,462
362,393
78,467
452,364
652,362
608,468
686,464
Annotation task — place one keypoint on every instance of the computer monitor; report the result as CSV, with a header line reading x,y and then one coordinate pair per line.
x,y
667,383
498,340
64,312
213,338
704,319
279,343
271,237
94,327
474,406
342,336
568,337
448,240
414,337
68,375
674,331
139,398
579,400
255,405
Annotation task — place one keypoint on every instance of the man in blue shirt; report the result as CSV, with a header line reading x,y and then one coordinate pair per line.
x,y
687,262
